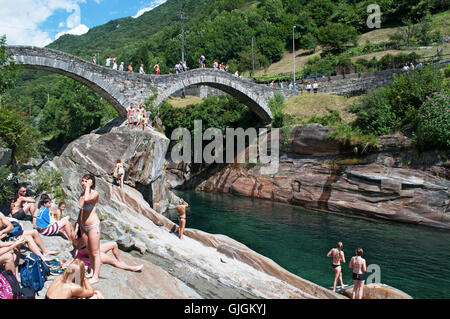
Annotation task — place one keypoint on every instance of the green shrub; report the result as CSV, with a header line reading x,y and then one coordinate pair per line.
x,y
6,187
433,129
50,182
332,119
276,105
375,115
17,134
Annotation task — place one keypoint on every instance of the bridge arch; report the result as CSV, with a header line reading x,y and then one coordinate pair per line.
x,y
254,96
84,72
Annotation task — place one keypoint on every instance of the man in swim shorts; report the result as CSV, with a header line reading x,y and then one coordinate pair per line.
x,y
22,205
359,268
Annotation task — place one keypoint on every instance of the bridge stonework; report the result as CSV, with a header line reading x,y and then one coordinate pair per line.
x,y
121,89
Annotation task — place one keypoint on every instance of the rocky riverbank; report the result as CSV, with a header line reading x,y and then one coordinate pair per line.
x,y
394,182
200,266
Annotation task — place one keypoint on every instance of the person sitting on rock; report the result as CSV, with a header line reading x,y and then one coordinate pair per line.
x,y
81,252
43,225
72,284
22,205
56,214
9,249
31,237
181,209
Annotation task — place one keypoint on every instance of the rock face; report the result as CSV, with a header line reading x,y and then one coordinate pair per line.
x,y
201,265
393,183
5,156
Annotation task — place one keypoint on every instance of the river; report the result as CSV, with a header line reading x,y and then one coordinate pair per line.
x,y
411,258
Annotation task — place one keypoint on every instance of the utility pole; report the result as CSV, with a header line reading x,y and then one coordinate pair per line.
x,y
293,54
182,42
253,57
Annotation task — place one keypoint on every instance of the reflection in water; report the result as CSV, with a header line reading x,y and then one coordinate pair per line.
x,y
411,258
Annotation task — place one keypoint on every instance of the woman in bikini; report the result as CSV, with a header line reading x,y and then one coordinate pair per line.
x,y
89,223
181,209
72,284
82,253
119,171
338,255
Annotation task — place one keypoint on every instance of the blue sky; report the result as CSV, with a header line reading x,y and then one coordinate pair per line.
x,y
40,22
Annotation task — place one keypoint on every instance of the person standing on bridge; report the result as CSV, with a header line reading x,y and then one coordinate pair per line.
x,y
156,67
121,66
315,86
114,64
108,62
94,59
141,69
130,68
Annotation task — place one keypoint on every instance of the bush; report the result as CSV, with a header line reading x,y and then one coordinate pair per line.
x,y
332,119
18,134
375,115
6,186
336,36
433,129
276,105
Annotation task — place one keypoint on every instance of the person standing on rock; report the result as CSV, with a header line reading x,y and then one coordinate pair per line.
x,y
338,255
89,223
358,264
140,116
119,171
131,116
181,209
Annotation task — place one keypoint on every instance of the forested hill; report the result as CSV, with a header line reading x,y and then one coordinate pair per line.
x,y
122,36
223,30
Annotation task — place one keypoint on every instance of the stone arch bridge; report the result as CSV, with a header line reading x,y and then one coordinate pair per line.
x,y
121,89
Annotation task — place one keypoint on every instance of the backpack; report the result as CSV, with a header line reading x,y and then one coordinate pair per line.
x,y
17,231
34,272
9,287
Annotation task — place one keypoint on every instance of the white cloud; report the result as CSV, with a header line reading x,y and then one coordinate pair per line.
x,y
79,30
152,5
21,20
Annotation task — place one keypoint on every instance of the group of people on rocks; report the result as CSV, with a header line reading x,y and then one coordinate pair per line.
x,y
137,118
88,254
358,265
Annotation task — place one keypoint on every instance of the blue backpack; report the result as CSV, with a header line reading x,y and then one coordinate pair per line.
x,y
34,272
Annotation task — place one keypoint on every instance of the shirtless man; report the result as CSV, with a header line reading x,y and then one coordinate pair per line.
x,y
359,268
22,205
131,116
181,209
140,116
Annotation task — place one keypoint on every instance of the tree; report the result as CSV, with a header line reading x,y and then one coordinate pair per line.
x,y
9,69
335,36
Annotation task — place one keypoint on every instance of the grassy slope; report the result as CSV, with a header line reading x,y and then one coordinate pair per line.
x,y
441,22
304,106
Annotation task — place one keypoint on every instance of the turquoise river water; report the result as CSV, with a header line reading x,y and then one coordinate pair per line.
x,y
414,259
